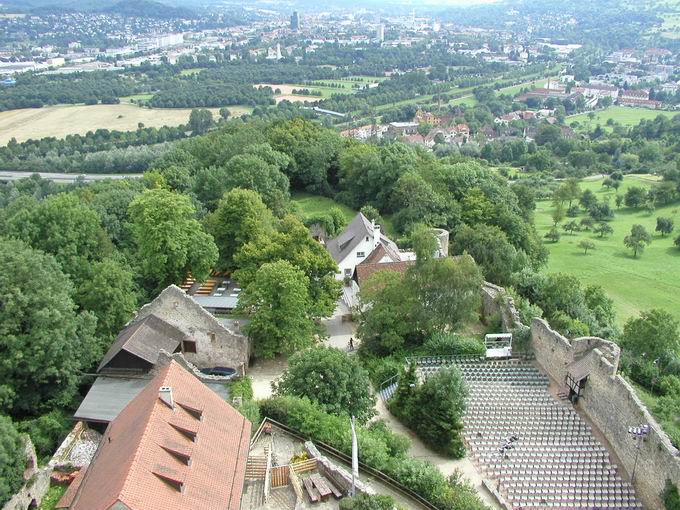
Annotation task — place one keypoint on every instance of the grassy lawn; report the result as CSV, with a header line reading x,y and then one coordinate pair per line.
x,y
650,281
312,205
52,497
190,72
136,97
621,114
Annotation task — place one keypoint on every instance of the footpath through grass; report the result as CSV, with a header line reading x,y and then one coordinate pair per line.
x,y
650,281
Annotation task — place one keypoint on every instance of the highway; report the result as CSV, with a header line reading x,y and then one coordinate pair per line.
x,y
6,176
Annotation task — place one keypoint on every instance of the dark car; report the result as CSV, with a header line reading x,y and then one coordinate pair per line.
x,y
219,371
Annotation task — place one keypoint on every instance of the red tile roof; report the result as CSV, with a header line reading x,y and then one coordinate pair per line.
x,y
365,271
149,458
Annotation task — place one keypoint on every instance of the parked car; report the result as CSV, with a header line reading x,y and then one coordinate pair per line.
x,y
219,371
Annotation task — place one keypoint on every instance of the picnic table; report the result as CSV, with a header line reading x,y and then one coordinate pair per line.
x,y
321,486
312,492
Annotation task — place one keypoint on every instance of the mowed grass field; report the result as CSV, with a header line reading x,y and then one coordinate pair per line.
x,y
650,281
623,115
59,121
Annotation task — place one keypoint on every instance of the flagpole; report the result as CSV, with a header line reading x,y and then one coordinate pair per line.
x,y
355,458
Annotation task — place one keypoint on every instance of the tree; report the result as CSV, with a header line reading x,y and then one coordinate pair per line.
x,y
12,459
170,241
655,334
424,243
224,113
585,245
434,409
638,239
665,225
372,214
241,217
588,199
248,171
635,197
45,344
677,242
553,235
292,242
277,303
200,121
558,214
447,291
491,250
65,227
571,227
603,229
331,378
109,292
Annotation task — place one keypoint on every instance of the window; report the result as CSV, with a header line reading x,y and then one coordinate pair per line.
x,y
213,338
189,346
360,254
348,272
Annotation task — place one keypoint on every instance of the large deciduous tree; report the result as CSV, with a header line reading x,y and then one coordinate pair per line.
x,y
170,241
655,334
45,344
248,171
638,239
332,379
277,302
490,248
241,217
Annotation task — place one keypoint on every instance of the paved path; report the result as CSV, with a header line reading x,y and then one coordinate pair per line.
x,y
6,176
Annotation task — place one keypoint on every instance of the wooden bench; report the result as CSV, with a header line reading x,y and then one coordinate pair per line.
x,y
336,492
313,494
321,486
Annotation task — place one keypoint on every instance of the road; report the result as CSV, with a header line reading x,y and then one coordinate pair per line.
x,y
6,176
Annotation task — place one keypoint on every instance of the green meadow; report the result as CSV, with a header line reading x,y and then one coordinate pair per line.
x,y
650,281
623,115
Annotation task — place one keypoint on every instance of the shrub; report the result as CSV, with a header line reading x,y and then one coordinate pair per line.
x,y
671,496
241,388
251,410
365,502
452,344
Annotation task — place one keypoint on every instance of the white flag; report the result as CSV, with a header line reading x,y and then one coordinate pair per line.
x,y
355,451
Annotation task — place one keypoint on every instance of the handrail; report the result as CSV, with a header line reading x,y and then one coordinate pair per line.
x,y
387,480
388,382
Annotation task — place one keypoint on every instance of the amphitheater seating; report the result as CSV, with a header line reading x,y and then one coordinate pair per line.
x,y
556,462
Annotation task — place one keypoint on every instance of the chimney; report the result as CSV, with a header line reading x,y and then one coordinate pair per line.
x,y
165,394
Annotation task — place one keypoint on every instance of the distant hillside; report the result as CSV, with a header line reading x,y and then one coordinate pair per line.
x,y
130,8
148,9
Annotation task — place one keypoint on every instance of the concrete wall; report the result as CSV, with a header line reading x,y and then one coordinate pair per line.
x,y
215,344
613,406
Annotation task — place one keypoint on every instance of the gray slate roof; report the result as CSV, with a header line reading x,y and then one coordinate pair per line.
x,y
108,396
358,229
144,339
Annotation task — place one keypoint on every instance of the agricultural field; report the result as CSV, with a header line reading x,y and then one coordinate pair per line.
x,y
650,281
625,116
59,121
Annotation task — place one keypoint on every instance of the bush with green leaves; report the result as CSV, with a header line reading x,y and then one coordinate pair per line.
x,y
367,502
47,432
332,379
671,496
434,408
376,449
451,344
12,459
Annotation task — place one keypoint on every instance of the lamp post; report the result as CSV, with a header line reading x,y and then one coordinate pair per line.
x,y
638,434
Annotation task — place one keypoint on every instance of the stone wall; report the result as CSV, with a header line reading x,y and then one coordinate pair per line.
x,y
216,345
613,406
495,301
37,482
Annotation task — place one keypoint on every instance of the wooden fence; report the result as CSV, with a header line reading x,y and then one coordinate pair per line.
x,y
256,467
280,476
304,466
295,482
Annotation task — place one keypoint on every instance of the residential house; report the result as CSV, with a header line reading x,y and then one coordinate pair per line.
x,y
361,239
396,129
177,446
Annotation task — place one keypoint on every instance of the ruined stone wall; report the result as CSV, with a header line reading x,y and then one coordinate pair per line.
x,y
215,344
495,301
37,482
613,406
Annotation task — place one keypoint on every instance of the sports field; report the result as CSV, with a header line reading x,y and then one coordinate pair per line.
x,y
59,121
624,115
650,281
